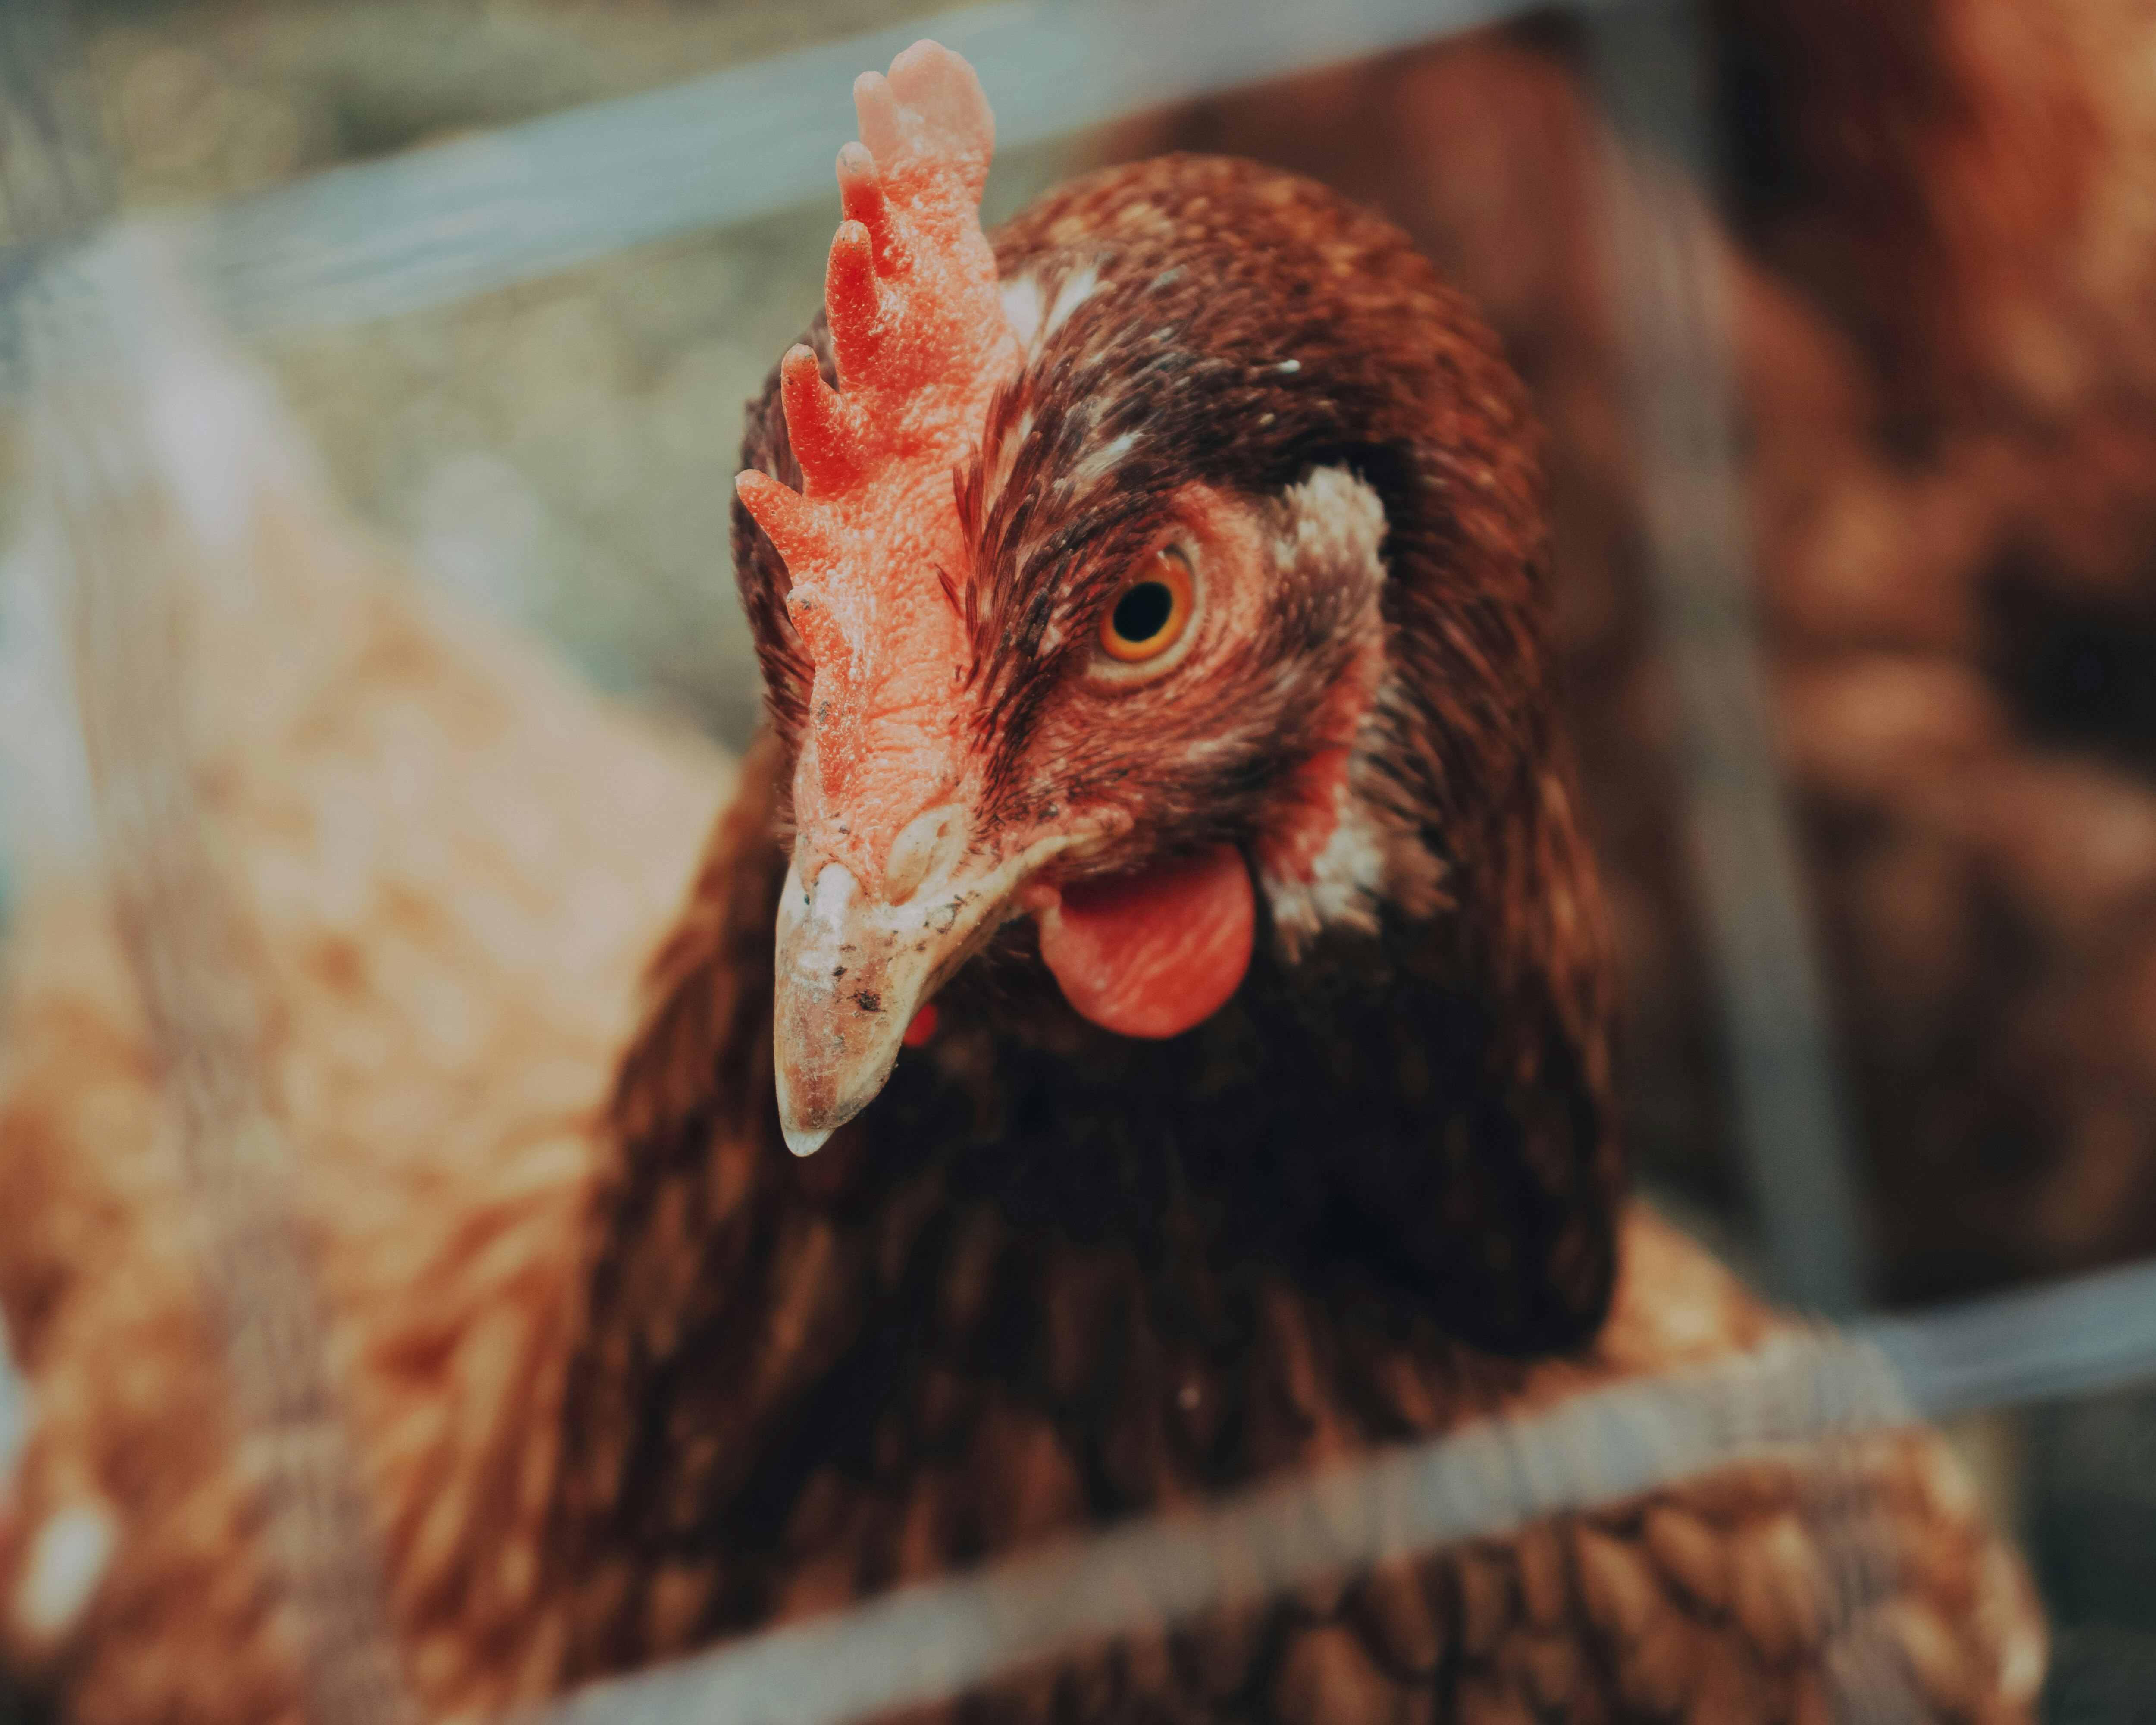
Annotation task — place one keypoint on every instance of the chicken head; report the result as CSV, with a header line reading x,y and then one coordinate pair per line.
x,y
1039,658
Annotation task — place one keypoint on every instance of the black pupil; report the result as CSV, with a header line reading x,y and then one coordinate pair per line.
x,y
1142,611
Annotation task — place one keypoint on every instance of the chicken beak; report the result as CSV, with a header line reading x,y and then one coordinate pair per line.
x,y
853,970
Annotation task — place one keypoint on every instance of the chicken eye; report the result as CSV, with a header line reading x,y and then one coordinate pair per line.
x,y
1149,615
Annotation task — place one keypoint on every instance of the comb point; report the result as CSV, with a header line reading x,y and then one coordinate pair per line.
x,y
851,298
788,520
876,109
818,423
808,608
922,343
857,166
942,93
861,199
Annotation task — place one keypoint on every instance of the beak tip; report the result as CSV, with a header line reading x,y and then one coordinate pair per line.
x,y
805,1143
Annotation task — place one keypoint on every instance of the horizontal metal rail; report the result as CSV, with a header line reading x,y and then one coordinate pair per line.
x,y
921,1644
442,223
2076,1337
2073,1337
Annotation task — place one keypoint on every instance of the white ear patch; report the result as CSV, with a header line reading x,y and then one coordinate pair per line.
x,y
1334,522
1074,292
1337,852
1339,887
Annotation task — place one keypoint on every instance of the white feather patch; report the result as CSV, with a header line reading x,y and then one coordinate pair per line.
x,y
1335,522
1334,527
1073,293
1022,309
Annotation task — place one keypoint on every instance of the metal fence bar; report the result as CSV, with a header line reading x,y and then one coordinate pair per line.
x,y
120,568
442,223
1666,280
927,1643
14,1414
2072,1337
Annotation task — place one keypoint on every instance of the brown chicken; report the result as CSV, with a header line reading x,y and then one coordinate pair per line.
x,y
1157,922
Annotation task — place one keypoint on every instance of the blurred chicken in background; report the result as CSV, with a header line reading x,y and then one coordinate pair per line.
x,y
455,858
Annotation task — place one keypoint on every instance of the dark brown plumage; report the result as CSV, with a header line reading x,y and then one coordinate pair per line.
x,y
1054,1277
1398,380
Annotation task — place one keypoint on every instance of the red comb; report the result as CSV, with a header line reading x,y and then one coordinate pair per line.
x,y
922,342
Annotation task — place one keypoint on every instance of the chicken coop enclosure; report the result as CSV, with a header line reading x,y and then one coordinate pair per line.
x,y
371,381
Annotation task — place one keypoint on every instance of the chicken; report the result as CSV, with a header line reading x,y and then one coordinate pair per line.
x,y
1965,614
457,861
1156,922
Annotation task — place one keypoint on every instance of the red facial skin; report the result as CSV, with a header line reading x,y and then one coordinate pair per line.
x,y
1296,837
1155,953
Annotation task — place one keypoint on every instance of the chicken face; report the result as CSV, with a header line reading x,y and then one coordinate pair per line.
x,y
1043,655
1187,705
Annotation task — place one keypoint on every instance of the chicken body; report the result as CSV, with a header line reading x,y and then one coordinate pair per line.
x,y
634,1380
991,1315
454,861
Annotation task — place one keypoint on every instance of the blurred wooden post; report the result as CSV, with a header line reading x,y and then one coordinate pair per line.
x,y
1650,65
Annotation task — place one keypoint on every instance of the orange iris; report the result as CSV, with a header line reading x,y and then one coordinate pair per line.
x,y
1150,613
